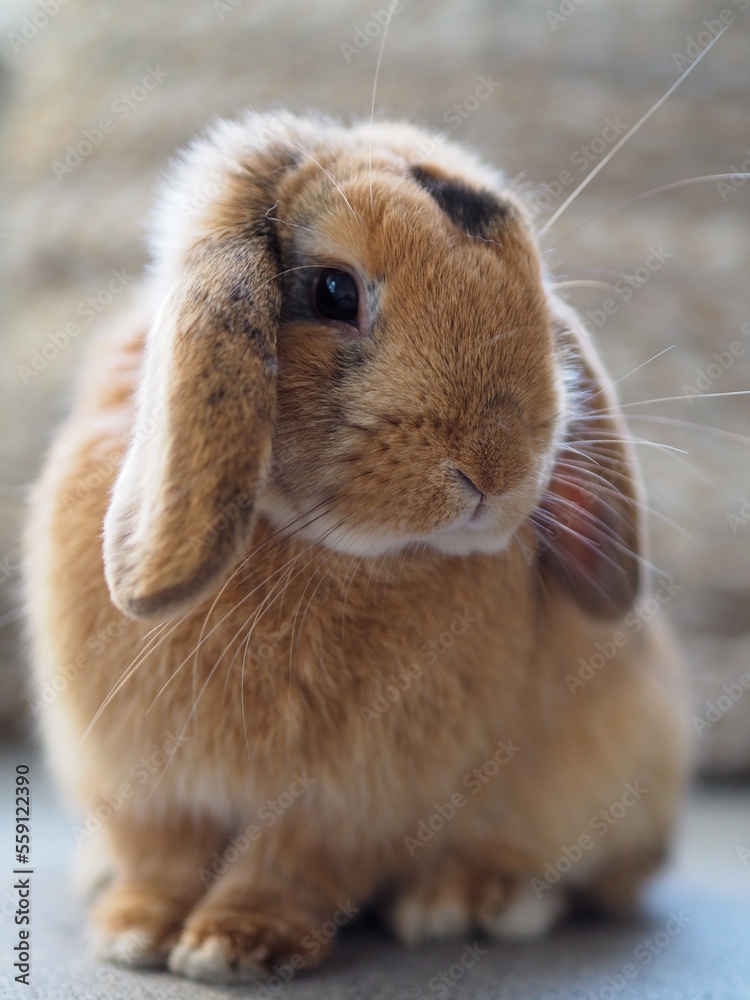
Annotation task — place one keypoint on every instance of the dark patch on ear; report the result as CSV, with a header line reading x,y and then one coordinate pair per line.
x,y
478,213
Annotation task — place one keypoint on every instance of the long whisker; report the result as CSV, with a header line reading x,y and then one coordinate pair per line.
x,y
645,442
244,645
285,222
671,422
374,91
159,633
571,272
265,605
644,363
606,486
548,520
140,658
605,159
676,399
582,283
294,642
242,562
676,453
232,610
589,542
691,425
663,189
572,560
328,174
211,673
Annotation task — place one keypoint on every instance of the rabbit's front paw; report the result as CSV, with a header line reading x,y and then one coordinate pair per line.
x,y
458,897
232,944
136,925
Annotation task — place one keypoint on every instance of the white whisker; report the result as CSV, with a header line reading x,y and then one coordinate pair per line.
x,y
605,159
644,363
331,177
663,189
374,91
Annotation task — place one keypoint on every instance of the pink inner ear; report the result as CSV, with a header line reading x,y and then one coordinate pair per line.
x,y
588,544
574,528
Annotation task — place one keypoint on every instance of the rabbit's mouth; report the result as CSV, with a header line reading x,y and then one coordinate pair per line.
x,y
477,524
480,515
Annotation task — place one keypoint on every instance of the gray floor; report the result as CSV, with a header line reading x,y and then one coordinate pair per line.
x,y
692,941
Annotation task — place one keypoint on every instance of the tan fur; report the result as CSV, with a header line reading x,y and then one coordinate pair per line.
x,y
287,634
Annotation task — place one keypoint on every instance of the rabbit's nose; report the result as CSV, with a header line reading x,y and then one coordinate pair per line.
x,y
494,460
467,481
484,479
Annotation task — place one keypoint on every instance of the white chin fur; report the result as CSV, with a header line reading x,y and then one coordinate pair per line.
x,y
465,541
327,531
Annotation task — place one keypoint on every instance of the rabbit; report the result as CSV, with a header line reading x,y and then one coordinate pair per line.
x,y
324,565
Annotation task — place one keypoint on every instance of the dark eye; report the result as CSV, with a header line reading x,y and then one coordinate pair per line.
x,y
336,296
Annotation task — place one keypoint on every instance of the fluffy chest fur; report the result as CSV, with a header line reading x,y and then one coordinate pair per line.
x,y
326,666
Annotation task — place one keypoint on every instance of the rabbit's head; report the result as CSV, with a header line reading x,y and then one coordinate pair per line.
x,y
356,339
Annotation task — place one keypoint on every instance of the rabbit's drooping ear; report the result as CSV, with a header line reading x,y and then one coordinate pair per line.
x,y
182,505
590,523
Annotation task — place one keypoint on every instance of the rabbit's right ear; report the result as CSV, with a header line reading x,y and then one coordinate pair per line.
x,y
182,506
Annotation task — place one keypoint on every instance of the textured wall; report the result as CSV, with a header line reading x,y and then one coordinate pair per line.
x,y
563,80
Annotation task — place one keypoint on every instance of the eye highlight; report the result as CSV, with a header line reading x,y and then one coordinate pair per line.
x,y
335,296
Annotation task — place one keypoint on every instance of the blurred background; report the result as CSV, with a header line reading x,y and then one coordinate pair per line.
x,y
96,97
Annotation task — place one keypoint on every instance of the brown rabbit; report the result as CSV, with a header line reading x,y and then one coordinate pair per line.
x,y
370,514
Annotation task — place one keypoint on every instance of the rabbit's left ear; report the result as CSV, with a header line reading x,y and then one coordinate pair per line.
x,y
589,521
182,505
